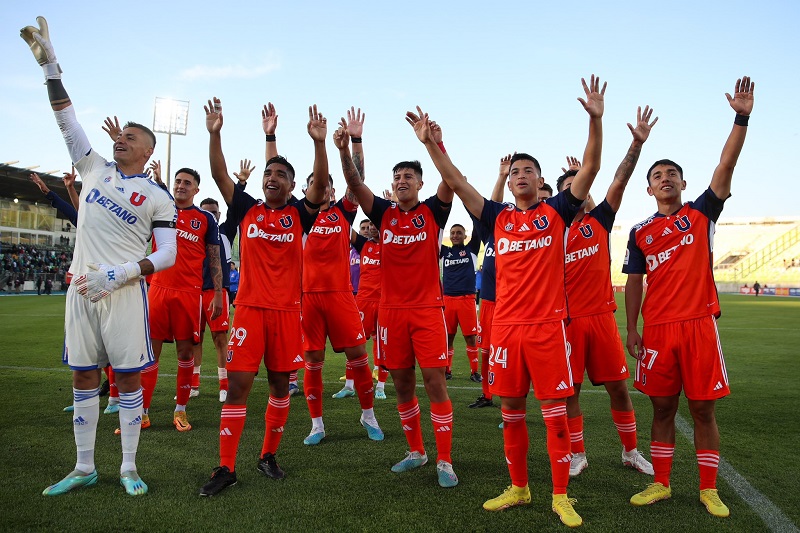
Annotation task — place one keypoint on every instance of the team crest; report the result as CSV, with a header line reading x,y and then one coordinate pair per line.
x,y
107,179
509,227
260,218
286,221
462,253
137,199
333,217
649,239
541,222
195,224
418,221
393,222
586,231
682,223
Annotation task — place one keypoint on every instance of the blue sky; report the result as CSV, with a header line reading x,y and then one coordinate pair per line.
x,y
498,76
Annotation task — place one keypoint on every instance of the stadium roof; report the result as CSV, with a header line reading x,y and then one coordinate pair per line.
x,y
15,183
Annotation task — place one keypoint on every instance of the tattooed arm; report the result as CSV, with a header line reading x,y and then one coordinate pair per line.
x,y
640,134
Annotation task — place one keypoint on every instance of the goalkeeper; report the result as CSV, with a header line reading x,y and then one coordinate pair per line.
x,y
106,312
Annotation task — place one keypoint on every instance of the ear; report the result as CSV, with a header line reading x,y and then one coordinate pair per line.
x,y
508,184
419,187
683,185
649,191
148,153
291,188
540,182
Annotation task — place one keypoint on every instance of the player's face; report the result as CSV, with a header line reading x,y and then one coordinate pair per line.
x,y
184,189
524,180
373,232
544,194
457,235
665,183
277,184
363,230
132,146
406,185
330,193
213,209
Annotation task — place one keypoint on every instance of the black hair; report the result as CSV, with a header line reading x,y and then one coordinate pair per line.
x,y
145,129
458,226
663,162
525,157
365,220
282,160
413,165
546,187
561,179
308,179
210,201
192,172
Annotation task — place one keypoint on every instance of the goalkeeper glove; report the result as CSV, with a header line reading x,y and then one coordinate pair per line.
x,y
39,41
102,280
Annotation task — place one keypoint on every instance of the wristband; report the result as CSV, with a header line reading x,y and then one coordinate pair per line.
x,y
270,138
741,120
311,204
441,147
52,71
356,140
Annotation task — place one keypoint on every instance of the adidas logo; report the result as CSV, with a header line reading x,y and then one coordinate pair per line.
x,y
524,227
443,357
80,421
443,428
566,459
562,386
225,433
186,386
360,336
136,421
666,231
624,369
311,397
718,386
298,359
278,430
406,427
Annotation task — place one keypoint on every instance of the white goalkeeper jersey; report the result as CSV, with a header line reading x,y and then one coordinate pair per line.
x,y
117,214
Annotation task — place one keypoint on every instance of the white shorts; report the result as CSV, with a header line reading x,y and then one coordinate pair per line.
x,y
113,331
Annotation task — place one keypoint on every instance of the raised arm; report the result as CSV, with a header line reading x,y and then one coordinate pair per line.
x,y
112,128
69,183
245,169
502,178
594,105
355,182
354,125
742,103
269,122
625,170
219,170
451,176
443,191
318,130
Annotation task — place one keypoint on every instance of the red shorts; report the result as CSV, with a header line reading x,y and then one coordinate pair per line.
x,y
369,316
174,315
595,347
460,310
333,315
684,355
485,325
406,335
222,322
525,354
276,337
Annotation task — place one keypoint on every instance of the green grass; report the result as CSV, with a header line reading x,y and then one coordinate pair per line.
x,y
344,484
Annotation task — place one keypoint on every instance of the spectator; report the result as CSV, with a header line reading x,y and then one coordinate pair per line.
x,y
234,288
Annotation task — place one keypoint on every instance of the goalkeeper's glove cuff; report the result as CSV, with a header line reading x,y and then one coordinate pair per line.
x,y
52,71
132,271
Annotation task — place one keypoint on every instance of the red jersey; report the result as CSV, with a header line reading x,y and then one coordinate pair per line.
x,y
369,287
676,253
410,243
326,255
196,228
588,263
529,258
270,251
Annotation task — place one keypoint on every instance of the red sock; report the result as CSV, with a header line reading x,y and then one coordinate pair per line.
x,y
485,374
661,456
276,415
185,369
195,379
312,388
383,374
626,427
362,381
149,380
293,376
409,417
348,370
113,391
442,418
231,425
558,444
576,434
375,352
515,443
708,462
472,355
450,352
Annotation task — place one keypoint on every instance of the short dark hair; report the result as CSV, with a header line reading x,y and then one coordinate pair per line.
x,y
282,160
458,226
525,157
413,165
663,162
561,179
192,172
308,179
365,220
546,187
148,131
210,201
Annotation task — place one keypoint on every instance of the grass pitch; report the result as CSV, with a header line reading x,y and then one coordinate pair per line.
x,y
344,484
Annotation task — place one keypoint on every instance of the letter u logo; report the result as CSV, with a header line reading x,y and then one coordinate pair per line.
x,y
286,221
541,223
137,199
586,231
682,223
333,217
418,221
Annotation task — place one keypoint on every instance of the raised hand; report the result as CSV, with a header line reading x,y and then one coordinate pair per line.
x,y
155,171
643,125
244,170
436,132
269,119
213,115
355,122
317,124
572,163
421,124
39,183
39,41
69,178
742,99
594,103
112,128
505,165
340,138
